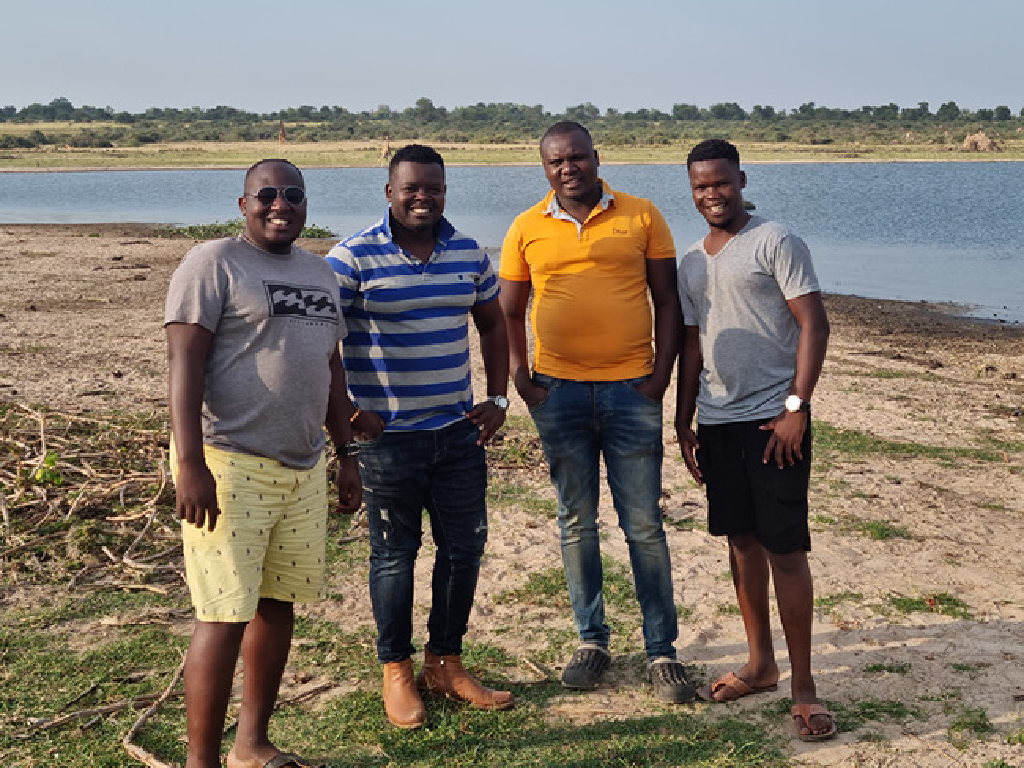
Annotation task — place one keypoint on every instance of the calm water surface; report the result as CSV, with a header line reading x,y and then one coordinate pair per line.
x,y
916,231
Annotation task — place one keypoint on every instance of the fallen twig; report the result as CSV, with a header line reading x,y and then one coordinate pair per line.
x,y
48,724
151,504
27,544
537,669
82,695
74,504
135,750
303,696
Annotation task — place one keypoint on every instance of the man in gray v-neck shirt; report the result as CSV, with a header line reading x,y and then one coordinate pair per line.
x,y
754,340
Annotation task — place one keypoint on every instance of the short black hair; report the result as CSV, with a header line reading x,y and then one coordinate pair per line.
x,y
415,153
563,128
268,161
713,149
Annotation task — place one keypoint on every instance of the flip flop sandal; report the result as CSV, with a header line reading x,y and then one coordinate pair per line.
x,y
290,760
802,714
732,688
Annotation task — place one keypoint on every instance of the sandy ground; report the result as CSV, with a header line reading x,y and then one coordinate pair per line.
x,y
80,330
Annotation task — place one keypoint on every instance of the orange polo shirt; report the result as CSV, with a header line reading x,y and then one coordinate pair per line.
x,y
592,317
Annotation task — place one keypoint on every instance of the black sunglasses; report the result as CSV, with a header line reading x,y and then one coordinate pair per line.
x,y
291,195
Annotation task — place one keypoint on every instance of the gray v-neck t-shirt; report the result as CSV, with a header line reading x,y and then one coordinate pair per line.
x,y
748,335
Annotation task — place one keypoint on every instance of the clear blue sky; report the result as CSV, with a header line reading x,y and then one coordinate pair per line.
x,y
262,56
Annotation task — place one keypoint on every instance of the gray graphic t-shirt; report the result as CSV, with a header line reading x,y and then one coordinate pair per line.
x,y
748,336
275,324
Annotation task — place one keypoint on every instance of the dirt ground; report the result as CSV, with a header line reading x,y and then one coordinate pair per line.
x,y
80,331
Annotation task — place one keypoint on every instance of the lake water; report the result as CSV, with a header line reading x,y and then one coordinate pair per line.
x,y
916,231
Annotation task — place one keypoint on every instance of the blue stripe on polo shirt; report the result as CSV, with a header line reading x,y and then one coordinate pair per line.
x,y
460,287
407,351
445,336
422,391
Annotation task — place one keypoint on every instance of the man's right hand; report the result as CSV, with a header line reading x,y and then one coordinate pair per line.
x,y
531,393
196,494
688,446
367,425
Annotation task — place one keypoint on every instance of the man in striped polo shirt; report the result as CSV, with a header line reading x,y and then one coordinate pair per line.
x,y
409,285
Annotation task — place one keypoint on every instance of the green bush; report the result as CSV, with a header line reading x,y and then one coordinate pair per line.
x,y
233,228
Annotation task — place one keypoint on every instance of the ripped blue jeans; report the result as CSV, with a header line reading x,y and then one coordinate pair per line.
x,y
444,472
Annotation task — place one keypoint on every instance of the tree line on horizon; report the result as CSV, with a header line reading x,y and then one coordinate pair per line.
x,y
506,123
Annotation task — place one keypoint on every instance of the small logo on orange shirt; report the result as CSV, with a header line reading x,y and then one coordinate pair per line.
x,y
617,231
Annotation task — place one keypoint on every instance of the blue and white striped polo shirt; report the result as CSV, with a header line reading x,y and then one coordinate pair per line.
x,y
407,351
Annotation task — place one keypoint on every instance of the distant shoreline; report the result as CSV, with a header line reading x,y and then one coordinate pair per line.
x,y
926,314
681,161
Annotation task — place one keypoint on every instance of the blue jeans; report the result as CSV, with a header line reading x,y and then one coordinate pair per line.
x,y
578,422
443,471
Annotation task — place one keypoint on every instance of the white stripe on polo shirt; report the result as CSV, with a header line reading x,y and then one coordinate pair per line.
x,y
407,352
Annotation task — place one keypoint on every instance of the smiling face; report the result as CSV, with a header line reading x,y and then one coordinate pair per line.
x,y
570,164
717,187
272,227
416,192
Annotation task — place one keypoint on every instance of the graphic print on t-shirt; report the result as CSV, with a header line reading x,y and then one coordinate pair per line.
x,y
301,301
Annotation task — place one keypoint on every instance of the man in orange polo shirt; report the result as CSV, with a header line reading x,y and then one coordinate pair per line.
x,y
602,362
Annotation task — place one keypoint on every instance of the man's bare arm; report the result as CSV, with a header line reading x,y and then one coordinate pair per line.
x,y
668,320
195,488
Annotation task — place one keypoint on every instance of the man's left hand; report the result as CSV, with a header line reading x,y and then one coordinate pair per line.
x,y
787,434
651,389
488,418
350,487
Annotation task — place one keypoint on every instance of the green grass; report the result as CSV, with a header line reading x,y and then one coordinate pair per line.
x,y
356,732
879,530
63,649
528,497
831,440
686,524
851,715
969,668
831,602
516,449
947,696
331,152
541,588
896,668
44,678
968,724
941,602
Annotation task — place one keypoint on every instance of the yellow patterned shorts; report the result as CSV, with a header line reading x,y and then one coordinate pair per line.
x,y
269,539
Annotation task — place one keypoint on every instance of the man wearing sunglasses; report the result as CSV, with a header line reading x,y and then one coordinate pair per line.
x,y
253,328
409,285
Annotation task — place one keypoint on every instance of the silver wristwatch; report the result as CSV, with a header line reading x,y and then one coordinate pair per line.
x,y
499,400
794,404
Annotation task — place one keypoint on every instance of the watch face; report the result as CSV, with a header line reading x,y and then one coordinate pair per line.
x,y
501,401
793,403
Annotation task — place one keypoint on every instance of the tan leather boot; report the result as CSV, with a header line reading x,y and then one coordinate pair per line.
x,y
445,676
402,701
